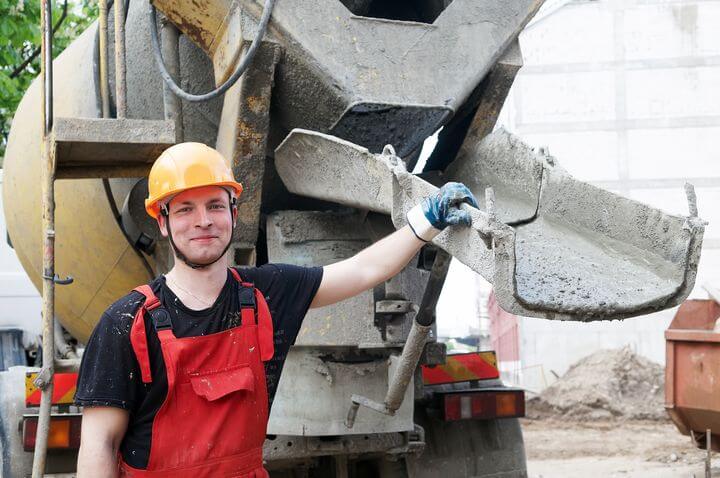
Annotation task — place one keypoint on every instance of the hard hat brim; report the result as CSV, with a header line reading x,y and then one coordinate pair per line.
x,y
153,207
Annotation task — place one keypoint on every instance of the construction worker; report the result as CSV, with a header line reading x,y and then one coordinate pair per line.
x,y
178,376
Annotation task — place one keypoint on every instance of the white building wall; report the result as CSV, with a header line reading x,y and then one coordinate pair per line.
x,y
625,95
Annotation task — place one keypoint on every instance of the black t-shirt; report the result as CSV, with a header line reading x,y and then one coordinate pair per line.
x,y
110,375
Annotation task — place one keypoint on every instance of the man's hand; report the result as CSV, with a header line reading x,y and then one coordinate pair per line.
x,y
382,260
436,212
103,428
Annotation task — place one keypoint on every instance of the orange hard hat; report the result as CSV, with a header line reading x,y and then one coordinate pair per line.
x,y
185,166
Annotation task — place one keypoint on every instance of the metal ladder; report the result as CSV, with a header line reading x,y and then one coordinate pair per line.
x,y
76,148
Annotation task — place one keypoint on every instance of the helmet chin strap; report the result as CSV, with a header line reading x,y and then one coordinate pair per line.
x,y
179,254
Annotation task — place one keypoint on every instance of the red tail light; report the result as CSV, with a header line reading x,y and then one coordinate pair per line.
x,y
64,432
483,404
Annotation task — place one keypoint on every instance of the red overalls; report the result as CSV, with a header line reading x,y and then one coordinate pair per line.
x,y
214,418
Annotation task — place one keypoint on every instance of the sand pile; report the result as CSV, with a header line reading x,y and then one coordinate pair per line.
x,y
607,384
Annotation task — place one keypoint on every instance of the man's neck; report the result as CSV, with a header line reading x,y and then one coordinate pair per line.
x,y
197,288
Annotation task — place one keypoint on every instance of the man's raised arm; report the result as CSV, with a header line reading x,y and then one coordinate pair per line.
x,y
387,257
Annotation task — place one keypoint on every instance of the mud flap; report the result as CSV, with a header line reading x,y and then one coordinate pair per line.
x,y
552,246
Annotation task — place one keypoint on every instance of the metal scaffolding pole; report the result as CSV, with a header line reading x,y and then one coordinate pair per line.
x,y
171,54
103,42
120,85
44,379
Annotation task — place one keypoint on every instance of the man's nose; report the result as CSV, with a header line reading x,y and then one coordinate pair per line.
x,y
204,220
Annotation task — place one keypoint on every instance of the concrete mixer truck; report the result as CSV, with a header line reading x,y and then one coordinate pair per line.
x,y
325,129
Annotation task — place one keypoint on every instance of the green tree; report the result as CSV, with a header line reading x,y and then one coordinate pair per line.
x,y
20,43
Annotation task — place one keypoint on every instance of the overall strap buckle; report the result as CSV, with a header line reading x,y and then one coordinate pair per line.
x,y
161,319
248,304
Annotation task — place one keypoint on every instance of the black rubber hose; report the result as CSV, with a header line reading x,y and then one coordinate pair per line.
x,y
118,219
179,92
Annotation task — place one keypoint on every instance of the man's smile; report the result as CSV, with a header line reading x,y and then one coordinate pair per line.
x,y
204,239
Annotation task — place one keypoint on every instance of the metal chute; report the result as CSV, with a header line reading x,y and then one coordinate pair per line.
x,y
551,245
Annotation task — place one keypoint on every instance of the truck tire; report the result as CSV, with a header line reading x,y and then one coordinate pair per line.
x,y
470,448
12,352
14,461
379,468
392,469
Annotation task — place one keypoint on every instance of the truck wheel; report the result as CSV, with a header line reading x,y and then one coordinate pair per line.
x,y
14,461
12,352
469,448
392,469
380,468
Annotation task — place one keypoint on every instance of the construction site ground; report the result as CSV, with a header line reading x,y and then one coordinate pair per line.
x,y
559,448
605,417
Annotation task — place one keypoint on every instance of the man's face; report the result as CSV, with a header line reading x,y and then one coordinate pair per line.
x,y
200,222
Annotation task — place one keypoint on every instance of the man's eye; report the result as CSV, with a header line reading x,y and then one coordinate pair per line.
x,y
183,209
217,206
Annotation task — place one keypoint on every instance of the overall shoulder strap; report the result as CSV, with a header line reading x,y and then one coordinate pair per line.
x,y
138,337
265,327
237,277
254,309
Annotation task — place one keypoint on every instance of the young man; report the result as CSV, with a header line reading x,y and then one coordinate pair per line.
x,y
178,375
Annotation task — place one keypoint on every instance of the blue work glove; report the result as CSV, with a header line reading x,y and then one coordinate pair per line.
x,y
440,210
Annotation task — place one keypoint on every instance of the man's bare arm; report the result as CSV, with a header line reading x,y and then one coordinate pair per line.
x,y
382,260
368,268
103,428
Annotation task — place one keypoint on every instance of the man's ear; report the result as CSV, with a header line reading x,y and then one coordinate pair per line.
x,y
234,214
162,225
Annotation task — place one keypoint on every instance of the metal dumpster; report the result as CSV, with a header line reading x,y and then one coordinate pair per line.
x,y
692,371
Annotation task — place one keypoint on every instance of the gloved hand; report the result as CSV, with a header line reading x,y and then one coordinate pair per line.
x,y
436,212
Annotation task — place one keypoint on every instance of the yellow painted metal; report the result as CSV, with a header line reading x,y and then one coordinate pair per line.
x,y
226,48
214,25
89,245
489,357
203,21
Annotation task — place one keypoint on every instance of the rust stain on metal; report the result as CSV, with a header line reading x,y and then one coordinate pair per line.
x,y
194,32
257,104
198,19
250,139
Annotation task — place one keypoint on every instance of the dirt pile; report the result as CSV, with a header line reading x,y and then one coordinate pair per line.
x,y
605,385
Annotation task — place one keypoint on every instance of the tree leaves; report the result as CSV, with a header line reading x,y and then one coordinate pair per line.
x,y
20,36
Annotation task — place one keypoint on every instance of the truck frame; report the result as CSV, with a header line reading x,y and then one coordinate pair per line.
x,y
325,131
